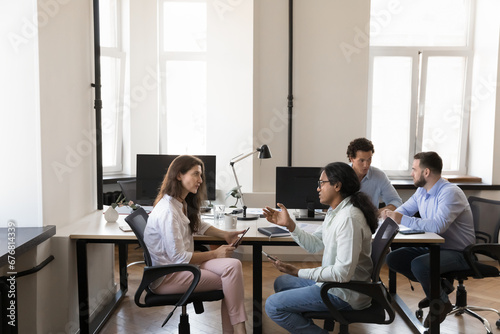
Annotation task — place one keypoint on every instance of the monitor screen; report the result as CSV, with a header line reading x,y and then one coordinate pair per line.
x,y
151,169
296,188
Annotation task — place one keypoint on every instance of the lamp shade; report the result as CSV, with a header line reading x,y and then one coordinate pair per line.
x,y
264,152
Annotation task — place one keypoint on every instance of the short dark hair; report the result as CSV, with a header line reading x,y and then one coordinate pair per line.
x,y
359,144
430,160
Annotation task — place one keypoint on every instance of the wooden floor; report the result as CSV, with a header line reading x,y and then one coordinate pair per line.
x,y
128,318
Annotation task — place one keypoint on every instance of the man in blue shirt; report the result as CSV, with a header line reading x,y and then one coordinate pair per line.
x,y
444,210
374,182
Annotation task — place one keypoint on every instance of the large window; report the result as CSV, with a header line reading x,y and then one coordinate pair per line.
x,y
112,82
420,76
183,67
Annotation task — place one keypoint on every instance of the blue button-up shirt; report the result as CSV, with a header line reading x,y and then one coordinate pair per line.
x,y
443,210
378,187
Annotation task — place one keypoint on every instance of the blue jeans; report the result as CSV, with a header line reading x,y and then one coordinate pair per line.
x,y
414,263
293,297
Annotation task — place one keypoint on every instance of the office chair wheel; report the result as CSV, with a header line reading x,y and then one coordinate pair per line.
x,y
419,314
498,323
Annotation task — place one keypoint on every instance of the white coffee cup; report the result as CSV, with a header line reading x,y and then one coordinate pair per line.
x,y
230,222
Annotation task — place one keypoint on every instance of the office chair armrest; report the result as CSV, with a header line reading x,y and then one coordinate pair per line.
x,y
489,250
152,273
376,290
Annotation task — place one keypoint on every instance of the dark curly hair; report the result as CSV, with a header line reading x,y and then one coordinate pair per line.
x,y
350,185
359,144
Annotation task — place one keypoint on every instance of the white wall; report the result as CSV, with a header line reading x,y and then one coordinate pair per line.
x,y
329,90
53,168
67,113
20,184
229,110
142,86
484,132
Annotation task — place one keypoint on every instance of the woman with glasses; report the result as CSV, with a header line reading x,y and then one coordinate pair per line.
x,y
345,238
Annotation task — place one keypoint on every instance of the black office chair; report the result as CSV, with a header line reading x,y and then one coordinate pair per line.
x,y
486,214
380,311
137,221
128,188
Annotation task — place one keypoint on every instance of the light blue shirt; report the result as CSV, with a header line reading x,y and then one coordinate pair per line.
x,y
377,186
443,210
346,240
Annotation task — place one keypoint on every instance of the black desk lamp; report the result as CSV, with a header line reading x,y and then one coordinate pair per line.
x,y
264,153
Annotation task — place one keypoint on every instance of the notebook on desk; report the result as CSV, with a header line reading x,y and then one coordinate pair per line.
x,y
274,231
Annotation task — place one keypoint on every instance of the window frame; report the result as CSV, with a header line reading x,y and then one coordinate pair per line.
x,y
420,56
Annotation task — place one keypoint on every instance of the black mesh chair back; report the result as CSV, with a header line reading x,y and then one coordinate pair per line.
x,y
137,221
486,213
128,188
381,244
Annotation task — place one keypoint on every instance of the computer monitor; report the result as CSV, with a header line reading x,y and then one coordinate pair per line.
x,y
296,188
151,169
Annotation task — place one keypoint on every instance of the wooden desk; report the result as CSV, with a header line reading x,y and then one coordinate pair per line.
x,y
94,229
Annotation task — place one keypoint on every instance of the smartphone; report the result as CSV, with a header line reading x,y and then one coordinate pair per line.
x,y
270,257
412,232
237,242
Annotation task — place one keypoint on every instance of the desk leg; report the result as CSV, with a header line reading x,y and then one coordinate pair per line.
x,y
122,263
83,285
257,288
436,304
105,311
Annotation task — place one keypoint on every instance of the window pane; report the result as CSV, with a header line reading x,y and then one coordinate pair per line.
x,y
110,91
185,27
108,23
419,23
391,108
444,105
186,106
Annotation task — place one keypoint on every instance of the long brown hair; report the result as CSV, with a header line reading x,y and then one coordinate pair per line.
x,y
173,187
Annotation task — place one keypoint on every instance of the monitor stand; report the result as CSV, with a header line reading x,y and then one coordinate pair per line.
x,y
311,216
307,218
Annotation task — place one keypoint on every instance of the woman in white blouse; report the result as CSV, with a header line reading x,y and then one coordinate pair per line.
x,y
169,237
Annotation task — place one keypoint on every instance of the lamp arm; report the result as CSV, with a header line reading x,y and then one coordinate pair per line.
x,y
243,157
237,183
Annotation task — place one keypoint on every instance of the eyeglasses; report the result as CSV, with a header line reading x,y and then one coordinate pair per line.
x,y
320,183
